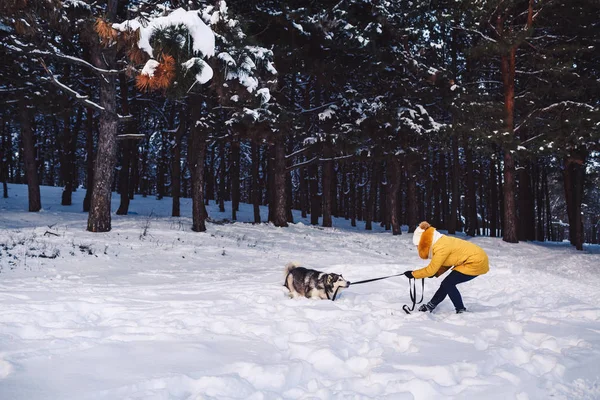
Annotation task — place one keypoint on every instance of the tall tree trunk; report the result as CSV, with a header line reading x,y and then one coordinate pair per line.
x,y
134,178
574,176
509,233
161,167
89,158
326,183
437,183
303,192
209,175
453,224
508,60
352,200
196,154
471,200
370,206
144,180
33,183
315,199
69,144
333,188
393,180
176,167
444,198
550,232
222,176
343,197
5,150
493,204
235,177
289,198
360,189
412,208
526,205
278,191
539,202
453,221
126,146
255,150
384,199
99,218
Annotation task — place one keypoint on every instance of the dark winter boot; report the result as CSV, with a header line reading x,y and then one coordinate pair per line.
x,y
427,307
460,310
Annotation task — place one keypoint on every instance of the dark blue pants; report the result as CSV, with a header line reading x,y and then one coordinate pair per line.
x,y
448,288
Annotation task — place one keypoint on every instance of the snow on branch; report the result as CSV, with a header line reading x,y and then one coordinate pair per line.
x,y
76,60
80,98
74,94
202,36
566,103
318,159
483,35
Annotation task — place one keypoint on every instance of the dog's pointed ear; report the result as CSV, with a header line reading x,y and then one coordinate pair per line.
x,y
329,279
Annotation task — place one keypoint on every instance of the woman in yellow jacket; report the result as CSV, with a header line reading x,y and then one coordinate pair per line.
x,y
445,252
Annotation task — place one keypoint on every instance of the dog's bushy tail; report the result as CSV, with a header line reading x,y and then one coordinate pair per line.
x,y
290,266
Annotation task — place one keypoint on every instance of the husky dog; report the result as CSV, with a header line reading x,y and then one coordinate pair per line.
x,y
310,283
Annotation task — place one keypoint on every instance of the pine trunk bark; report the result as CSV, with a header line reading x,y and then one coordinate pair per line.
x,y
574,177
4,152
65,168
255,150
196,155
176,170
99,218
222,175
278,192
315,199
509,233
89,146
493,204
28,137
455,176
526,205
235,178
471,211
124,177
326,183
393,179
289,189
370,206
126,146
412,207
303,193
445,199
550,233
539,202
352,200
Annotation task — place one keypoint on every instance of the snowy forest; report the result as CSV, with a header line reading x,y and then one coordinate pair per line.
x,y
481,117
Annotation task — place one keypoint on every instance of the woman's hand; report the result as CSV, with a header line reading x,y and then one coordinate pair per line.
x,y
409,274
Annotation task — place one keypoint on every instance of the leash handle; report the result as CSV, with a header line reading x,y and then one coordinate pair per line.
x,y
413,294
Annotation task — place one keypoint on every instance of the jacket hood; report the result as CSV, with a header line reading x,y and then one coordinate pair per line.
x,y
425,239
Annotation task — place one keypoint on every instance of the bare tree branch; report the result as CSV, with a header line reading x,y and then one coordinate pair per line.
x,y
77,61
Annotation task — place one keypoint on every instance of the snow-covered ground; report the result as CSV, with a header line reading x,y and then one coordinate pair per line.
x,y
152,310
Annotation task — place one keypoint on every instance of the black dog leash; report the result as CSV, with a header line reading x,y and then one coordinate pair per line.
x,y
413,294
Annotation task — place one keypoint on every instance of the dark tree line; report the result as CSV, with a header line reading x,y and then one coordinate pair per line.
x,y
481,117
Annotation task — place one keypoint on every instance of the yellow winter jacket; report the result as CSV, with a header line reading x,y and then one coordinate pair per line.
x,y
448,252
